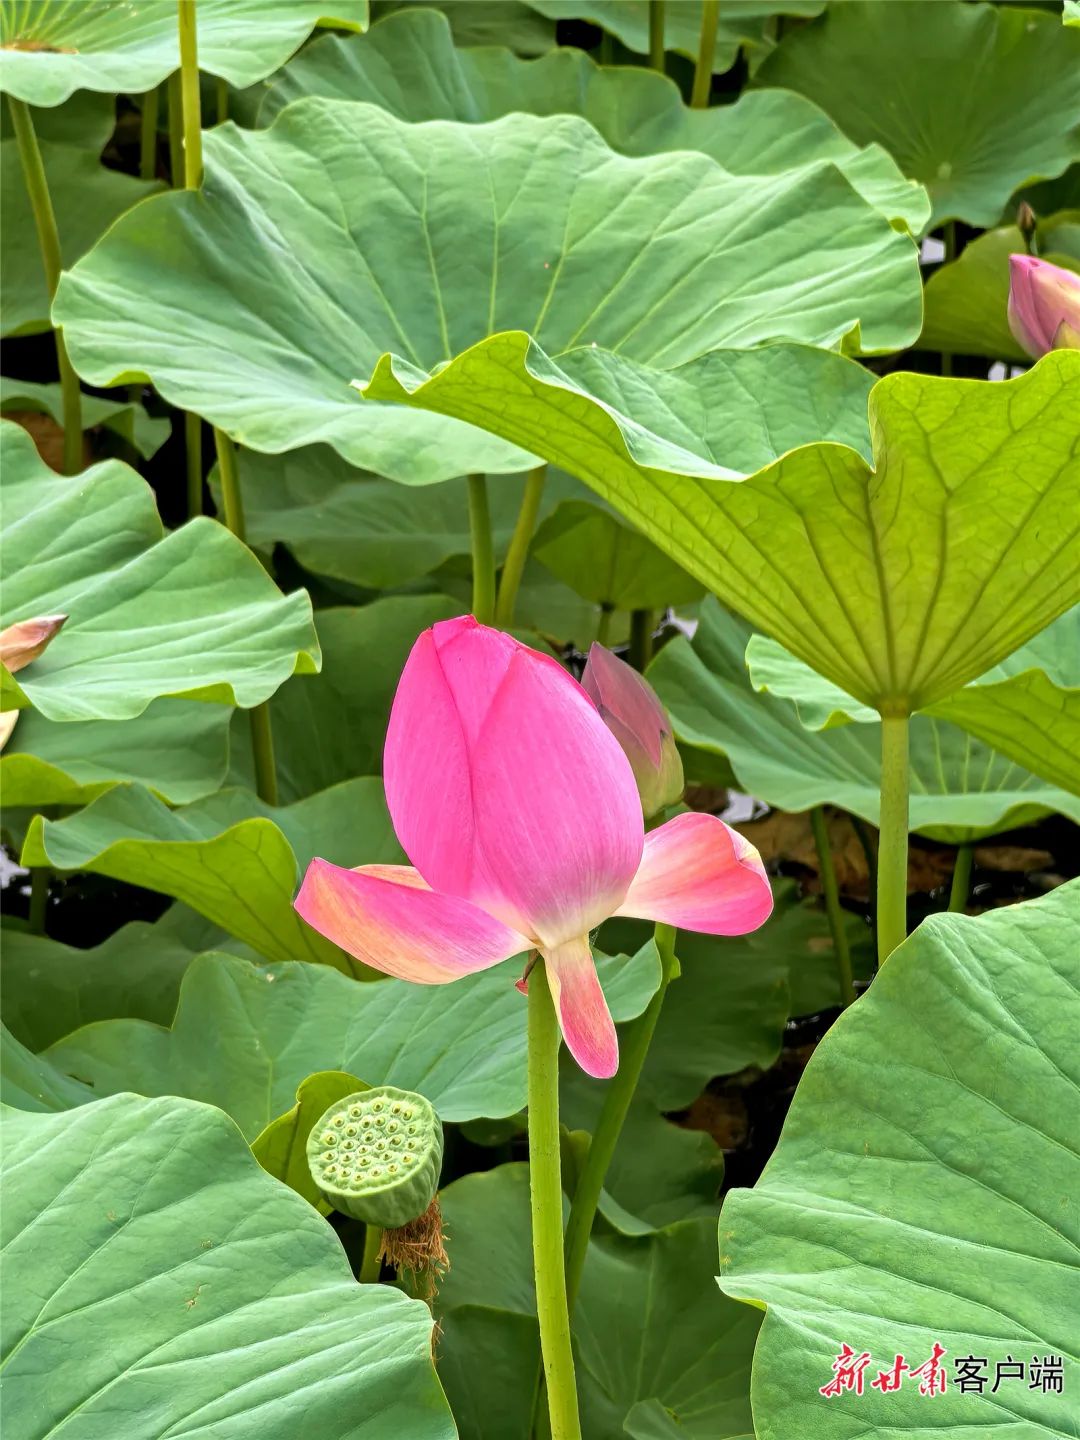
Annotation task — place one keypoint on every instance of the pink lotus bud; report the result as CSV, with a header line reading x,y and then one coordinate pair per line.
x,y
518,809
21,643
1044,305
631,710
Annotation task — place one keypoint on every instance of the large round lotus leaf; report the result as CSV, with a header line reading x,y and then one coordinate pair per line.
x,y
741,22
923,1189
660,1352
190,613
408,65
32,1082
177,748
899,583
274,1025
960,788
970,100
50,48
341,232
967,301
231,857
157,1281
1028,706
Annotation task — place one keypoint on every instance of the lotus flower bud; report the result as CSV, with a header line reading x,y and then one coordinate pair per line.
x,y
631,710
1026,223
1044,305
21,643
377,1155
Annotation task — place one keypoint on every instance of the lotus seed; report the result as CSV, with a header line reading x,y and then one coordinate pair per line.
x,y
339,1120
354,1111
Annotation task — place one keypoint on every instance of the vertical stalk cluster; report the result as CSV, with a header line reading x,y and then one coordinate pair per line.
x,y
37,188
518,553
703,70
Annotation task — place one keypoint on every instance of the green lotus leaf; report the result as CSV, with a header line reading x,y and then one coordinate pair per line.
x,y
190,613
51,989
230,857
277,1024
408,65
644,1345
967,300
369,532
1028,706
182,1289
126,419
960,788
741,22
31,1082
50,48
899,583
179,749
87,197
901,75
281,1148
345,224
933,1210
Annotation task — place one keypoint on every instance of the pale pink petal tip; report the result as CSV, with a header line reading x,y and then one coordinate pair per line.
x,y
388,918
584,1018
699,874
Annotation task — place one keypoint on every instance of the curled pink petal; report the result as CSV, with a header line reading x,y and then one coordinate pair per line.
x,y
559,828
387,916
699,874
1044,305
584,1018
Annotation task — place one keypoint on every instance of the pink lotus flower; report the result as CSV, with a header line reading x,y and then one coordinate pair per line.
x,y
1044,305
631,710
521,816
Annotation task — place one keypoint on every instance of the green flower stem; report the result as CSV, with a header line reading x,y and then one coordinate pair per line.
x,y
221,94
189,94
483,551
710,19
961,878
634,1043
262,733
656,35
518,553
545,1189
37,188
893,842
371,1265
148,128
641,627
833,908
176,132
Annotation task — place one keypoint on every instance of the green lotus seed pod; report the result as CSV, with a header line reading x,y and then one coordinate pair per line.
x,y
389,1174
